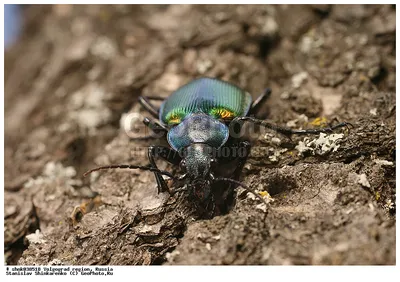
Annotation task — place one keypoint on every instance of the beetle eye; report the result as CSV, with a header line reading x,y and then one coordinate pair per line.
x,y
182,165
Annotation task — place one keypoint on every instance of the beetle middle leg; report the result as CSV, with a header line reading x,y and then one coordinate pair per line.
x,y
167,154
145,102
255,106
288,131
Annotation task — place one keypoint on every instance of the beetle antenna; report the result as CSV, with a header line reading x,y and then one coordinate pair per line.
x,y
242,185
153,169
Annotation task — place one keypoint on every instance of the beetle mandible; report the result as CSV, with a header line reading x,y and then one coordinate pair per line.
x,y
197,120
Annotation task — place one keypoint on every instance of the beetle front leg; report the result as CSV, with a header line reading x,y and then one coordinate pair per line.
x,y
244,150
167,154
242,153
238,152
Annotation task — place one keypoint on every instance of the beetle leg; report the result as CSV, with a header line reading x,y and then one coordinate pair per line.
x,y
246,146
144,138
288,131
213,207
238,152
154,125
167,154
181,189
255,106
243,152
321,130
145,102
158,129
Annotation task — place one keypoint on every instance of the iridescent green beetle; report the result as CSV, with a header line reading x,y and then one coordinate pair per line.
x,y
198,120
199,111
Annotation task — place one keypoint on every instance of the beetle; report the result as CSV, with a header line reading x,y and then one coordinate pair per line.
x,y
199,120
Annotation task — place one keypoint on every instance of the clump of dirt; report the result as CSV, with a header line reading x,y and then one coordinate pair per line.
x,y
332,197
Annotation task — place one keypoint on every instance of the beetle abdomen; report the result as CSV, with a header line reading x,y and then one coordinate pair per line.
x,y
214,97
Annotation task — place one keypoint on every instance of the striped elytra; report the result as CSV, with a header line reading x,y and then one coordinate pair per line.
x,y
214,97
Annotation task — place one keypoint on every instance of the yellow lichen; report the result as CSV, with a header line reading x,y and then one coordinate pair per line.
x,y
363,78
319,121
264,194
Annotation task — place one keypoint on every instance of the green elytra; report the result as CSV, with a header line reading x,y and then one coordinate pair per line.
x,y
219,99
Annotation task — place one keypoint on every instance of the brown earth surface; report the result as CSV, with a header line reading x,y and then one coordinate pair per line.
x,y
78,70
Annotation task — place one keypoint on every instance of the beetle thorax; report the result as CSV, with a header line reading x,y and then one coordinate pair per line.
x,y
198,128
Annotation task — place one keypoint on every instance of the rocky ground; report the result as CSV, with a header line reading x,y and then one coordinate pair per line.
x,y
76,73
